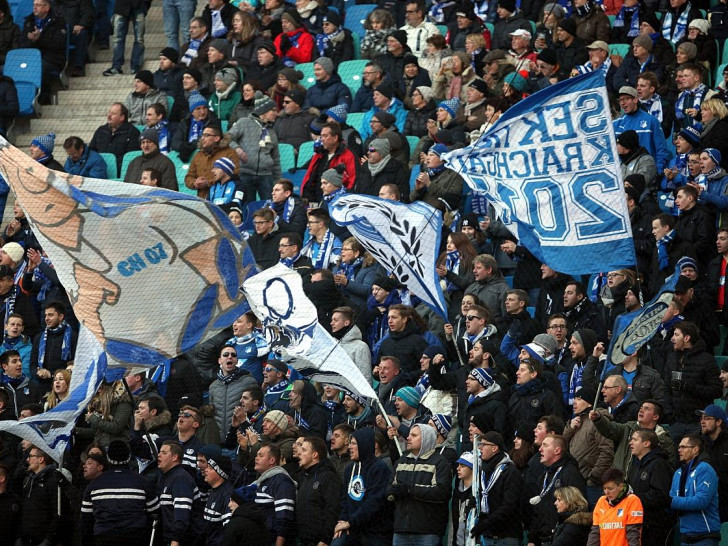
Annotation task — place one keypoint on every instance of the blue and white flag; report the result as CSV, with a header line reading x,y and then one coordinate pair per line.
x,y
632,330
51,431
150,272
290,323
405,239
550,168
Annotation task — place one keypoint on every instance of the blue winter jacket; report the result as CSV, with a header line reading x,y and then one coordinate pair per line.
x,y
698,509
396,108
90,164
650,134
324,95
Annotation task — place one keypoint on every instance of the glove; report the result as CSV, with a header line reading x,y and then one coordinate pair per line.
x,y
285,43
515,329
478,529
401,490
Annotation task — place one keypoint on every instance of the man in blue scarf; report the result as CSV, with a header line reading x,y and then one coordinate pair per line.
x,y
54,347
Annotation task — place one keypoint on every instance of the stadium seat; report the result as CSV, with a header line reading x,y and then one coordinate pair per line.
x,y
170,104
128,158
20,9
350,73
355,17
308,77
611,20
442,29
718,76
619,49
25,68
357,45
111,167
354,119
413,141
509,281
413,176
27,93
288,157
305,152
181,169
224,125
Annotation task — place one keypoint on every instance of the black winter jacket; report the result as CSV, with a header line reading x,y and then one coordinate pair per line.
x,y
650,479
40,519
124,139
504,518
573,528
406,345
700,383
416,122
697,226
318,502
52,41
530,402
718,452
392,173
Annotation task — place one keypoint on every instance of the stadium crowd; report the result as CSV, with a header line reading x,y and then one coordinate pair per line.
x,y
503,422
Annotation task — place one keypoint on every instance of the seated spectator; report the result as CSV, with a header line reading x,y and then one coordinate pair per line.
x,y
41,149
475,46
45,30
432,57
328,90
378,25
423,110
265,67
520,50
639,60
157,120
714,134
466,24
288,80
199,175
82,160
247,102
143,96
225,96
187,134
218,15
295,44
633,157
453,77
393,60
152,158
9,31
384,100
290,212
510,19
194,53
413,77
380,169
699,34
570,50
9,105
335,42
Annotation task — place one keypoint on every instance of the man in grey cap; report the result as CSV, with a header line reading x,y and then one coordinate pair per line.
x,y
380,169
152,158
217,60
328,90
639,61
256,144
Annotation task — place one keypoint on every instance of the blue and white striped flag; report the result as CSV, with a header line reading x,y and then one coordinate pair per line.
x,y
549,166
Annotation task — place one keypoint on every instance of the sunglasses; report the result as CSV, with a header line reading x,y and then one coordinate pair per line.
x,y
225,355
372,149
473,317
187,415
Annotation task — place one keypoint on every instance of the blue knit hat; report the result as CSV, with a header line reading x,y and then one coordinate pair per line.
x,y
45,143
226,165
409,396
196,99
451,106
687,261
482,376
714,155
443,423
356,398
338,112
692,133
438,149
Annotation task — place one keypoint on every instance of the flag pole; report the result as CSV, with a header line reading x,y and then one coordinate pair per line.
x,y
389,424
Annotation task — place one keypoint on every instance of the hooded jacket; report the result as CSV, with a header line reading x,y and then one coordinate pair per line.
x,y
364,503
421,489
311,417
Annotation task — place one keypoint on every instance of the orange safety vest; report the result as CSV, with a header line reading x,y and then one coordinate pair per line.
x,y
613,520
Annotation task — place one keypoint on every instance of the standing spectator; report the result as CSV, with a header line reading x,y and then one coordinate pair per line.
x,y
531,398
621,403
490,286
264,242
218,14
218,476
418,29
574,518
676,19
669,248
618,515
694,493
177,17
55,346
79,15
331,152
349,336
713,427
591,21
228,387
118,136
292,126
128,12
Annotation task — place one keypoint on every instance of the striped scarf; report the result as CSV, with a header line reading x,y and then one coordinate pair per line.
x,y
65,348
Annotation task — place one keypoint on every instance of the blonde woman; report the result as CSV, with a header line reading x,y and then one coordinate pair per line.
x,y
59,390
109,413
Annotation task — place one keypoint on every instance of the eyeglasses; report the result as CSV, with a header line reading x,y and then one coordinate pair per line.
x,y
225,355
34,456
612,387
612,275
370,73
208,135
473,317
260,222
347,248
486,444
557,327
287,101
412,11
282,244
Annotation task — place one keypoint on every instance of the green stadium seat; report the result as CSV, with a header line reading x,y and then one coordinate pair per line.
x,y
619,49
354,119
128,158
350,73
112,169
288,157
305,152
308,77
181,169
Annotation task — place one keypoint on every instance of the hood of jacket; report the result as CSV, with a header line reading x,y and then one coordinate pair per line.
x,y
365,442
429,441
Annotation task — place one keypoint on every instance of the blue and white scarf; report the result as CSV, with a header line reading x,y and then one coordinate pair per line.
x,y
323,39
334,194
65,348
288,262
435,170
41,24
192,51
320,253
634,24
452,264
481,9
662,255
39,277
283,210
681,26
13,381
162,129
487,486
697,94
575,382
10,303
350,270
196,128
653,105
437,11
294,45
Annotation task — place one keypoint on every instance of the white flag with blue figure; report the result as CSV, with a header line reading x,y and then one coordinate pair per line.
x,y
290,323
550,168
51,431
404,239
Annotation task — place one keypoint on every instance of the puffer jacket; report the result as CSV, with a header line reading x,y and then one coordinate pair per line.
x,y
138,104
647,383
700,381
358,351
573,528
324,95
224,396
698,505
593,452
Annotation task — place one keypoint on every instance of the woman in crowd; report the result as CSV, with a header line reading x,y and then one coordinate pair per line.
x,y
378,25
59,391
574,520
356,272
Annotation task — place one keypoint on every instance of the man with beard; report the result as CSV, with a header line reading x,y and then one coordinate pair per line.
x,y
372,76
484,398
199,176
581,312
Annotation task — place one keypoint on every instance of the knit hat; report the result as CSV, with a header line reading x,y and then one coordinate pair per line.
x,y
279,365
333,18
508,5
643,41
385,283
150,134
481,421
278,418
687,261
470,220
291,74
99,458
293,17
701,24
689,49
536,351
432,351
338,112
426,92
554,9
244,494
145,76
334,177
385,89
221,45
465,11
400,36
409,396
325,63
586,394
637,181
489,346
380,145
118,453
385,118
226,165
714,155
356,398
263,104
268,46
586,338
568,25
170,53
516,81
629,140
691,134
227,75
649,17
216,460
196,100
438,149
548,342
524,432
482,376
45,143
633,193
466,459
409,59
629,91
297,96
480,85
548,56
14,251
194,73
494,55
443,423
450,106
495,438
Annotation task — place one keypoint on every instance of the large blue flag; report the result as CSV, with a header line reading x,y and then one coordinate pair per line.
x,y
550,168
